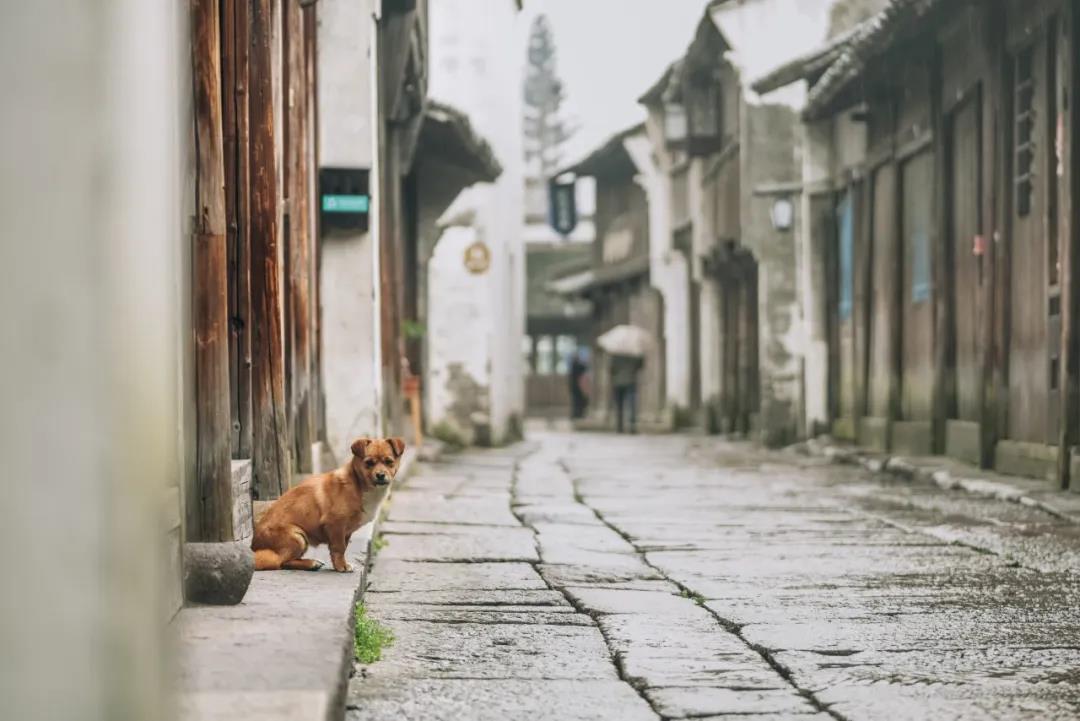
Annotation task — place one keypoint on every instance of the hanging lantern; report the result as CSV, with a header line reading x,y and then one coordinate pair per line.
x,y
704,112
676,127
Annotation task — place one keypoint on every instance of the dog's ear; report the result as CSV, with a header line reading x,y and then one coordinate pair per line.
x,y
398,444
359,447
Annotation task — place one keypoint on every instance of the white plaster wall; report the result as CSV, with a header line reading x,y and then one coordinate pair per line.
x,y
460,328
345,117
667,270
350,350
477,63
711,383
95,138
816,174
348,289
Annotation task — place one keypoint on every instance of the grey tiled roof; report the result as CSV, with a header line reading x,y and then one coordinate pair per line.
x,y
872,38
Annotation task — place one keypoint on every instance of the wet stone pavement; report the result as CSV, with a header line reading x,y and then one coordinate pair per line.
x,y
601,577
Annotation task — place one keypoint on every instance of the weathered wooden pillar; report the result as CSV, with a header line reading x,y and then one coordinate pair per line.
x,y
297,251
311,74
943,397
996,385
269,429
210,514
234,51
1070,260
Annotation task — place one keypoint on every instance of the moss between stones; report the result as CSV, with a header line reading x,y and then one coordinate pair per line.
x,y
371,637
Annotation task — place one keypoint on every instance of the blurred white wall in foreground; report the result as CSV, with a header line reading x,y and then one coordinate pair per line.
x,y
92,247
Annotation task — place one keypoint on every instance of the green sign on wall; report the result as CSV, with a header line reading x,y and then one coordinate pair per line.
x,y
345,203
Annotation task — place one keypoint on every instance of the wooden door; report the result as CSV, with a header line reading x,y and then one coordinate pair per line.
x,y
843,313
748,342
730,337
883,278
917,291
1034,299
968,252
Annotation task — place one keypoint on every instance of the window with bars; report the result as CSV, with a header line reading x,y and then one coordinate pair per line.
x,y
1024,130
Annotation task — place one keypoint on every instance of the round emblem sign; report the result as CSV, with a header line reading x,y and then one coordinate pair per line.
x,y
477,258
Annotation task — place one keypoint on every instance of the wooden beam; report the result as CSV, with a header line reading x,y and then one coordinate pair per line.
x,y
210,514
269,430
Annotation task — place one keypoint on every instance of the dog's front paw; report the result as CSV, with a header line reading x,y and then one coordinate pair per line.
x,y
344,568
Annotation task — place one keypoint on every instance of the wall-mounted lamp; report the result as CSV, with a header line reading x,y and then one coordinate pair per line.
x,y
782,214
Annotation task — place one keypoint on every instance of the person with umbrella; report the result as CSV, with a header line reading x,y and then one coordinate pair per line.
x,y
626,344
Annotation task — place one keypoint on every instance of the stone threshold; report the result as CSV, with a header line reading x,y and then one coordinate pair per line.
x,y
953,475
285,652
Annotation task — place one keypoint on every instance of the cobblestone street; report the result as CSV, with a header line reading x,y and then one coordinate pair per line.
x,y
588,576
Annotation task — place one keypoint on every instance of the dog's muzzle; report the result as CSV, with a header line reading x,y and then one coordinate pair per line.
x,y
382,479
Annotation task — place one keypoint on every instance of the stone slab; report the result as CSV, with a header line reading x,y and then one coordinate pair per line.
x,y
697,701
496,700
418,506
421,577
617,572
535,597
662,599
483,650
457,544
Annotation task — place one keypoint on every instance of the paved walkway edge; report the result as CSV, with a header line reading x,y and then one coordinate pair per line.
x,y
949,474
286,601
335,709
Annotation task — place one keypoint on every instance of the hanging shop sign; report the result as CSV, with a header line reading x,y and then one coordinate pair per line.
x,y
562,206
344,199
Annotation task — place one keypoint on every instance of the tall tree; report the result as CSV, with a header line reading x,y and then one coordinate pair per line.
x,y
545,129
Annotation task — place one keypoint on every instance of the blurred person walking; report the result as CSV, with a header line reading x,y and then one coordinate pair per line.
x,y
578,376
624,382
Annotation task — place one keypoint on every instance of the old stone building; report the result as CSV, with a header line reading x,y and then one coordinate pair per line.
x,y
733,183
474,386
617,285
941,151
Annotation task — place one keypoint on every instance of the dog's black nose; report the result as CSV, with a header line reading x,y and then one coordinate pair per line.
x,y
381,477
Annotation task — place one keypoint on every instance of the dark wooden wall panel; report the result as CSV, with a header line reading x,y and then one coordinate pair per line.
x,y
917,290
883,292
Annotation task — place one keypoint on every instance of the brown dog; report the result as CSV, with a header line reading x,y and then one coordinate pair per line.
x,y
327,509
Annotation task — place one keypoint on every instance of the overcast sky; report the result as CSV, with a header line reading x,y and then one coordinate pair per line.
x,y
609,53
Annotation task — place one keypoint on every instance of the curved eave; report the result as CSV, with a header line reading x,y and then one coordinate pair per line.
x,y
448,138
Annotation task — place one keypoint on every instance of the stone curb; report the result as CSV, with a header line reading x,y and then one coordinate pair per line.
x,y
907,469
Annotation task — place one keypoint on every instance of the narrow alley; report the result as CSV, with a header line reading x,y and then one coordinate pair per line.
x,y
485,360
596,576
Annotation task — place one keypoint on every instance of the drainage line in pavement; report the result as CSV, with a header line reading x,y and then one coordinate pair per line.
x,y
729,626
616,659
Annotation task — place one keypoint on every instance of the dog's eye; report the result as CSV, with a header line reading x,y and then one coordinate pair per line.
x,y
370,463
388,461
